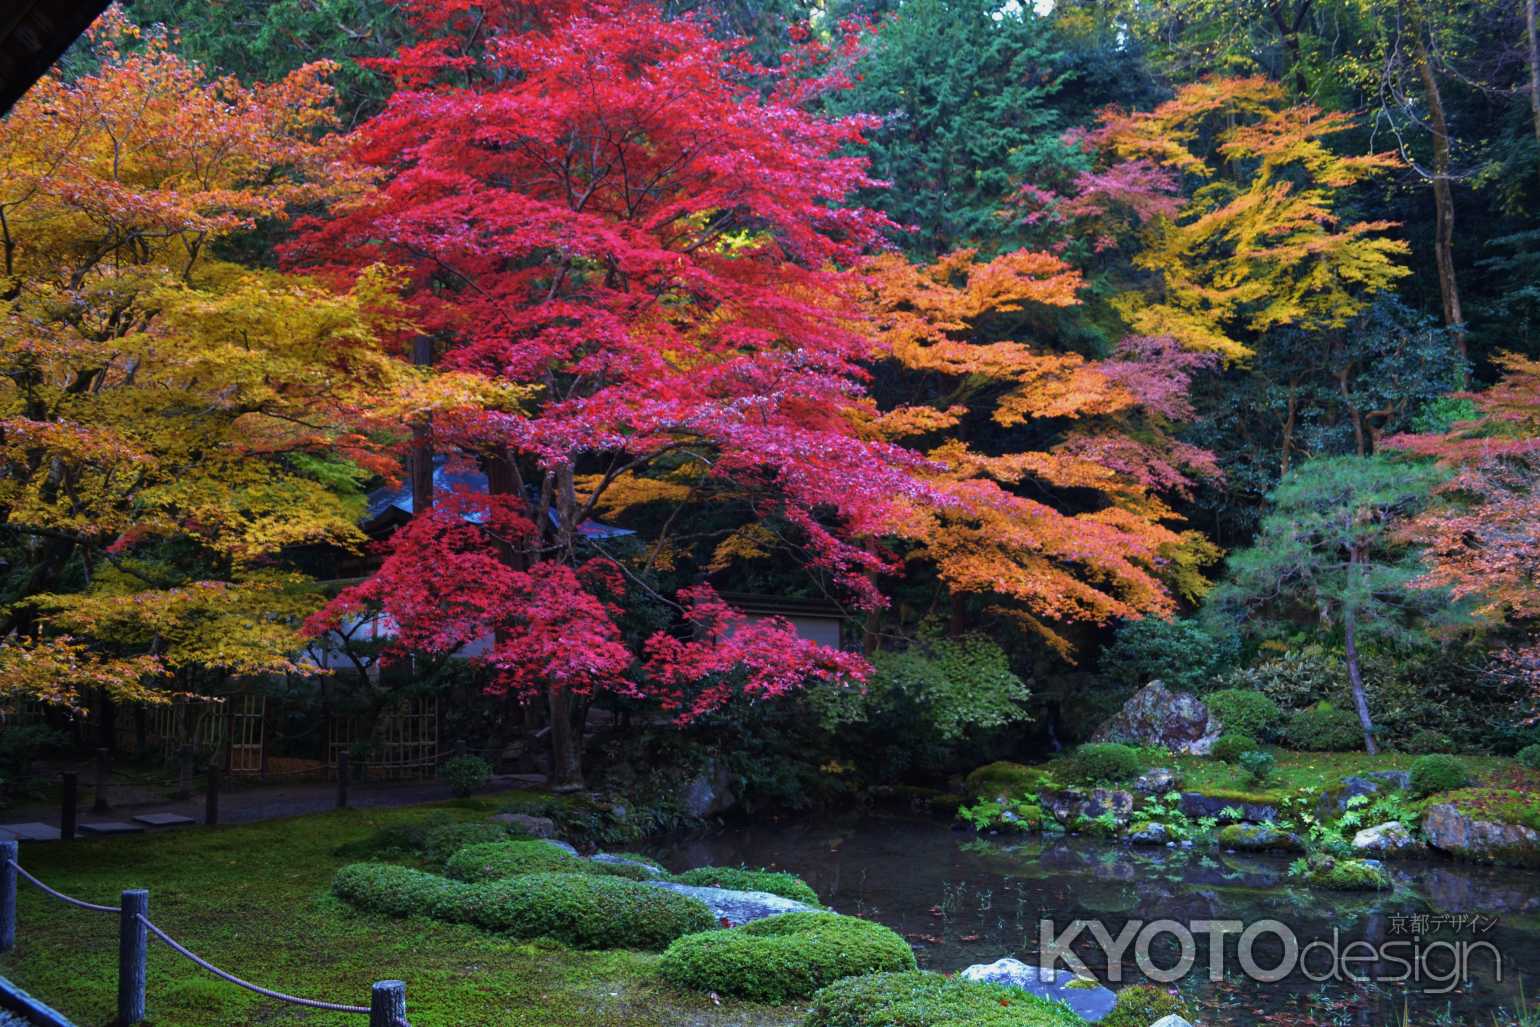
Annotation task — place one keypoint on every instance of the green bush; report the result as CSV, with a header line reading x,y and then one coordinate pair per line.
x,y
581,910
433,839
1324,728
783,957
1299,678
586,911
490,861
1011,780
465,774
1181,653
1229,747
923,999
1245,711
1529,756
1143,1004
1258,766
1437,772
400,891
1425,742
787,886
1100,763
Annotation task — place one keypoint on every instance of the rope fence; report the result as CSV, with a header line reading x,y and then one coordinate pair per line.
x,y
387,999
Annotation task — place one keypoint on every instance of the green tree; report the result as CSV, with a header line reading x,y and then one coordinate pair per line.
x,y
1329,549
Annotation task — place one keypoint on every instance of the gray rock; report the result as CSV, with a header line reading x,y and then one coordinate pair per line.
x,y
625,861
1069,804
1149,834
1157,781
1395,780
1171,1021
1257,838
566,847
1087,998
736,907
535,827
709,793
1389,839
1485,841
1157,716
1198,806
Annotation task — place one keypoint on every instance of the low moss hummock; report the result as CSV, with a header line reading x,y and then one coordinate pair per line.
x,y
924,999
788,886
784,957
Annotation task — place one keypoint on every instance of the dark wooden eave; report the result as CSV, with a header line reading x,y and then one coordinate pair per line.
x,y
33,33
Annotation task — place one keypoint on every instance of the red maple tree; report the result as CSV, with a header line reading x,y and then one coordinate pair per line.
x,y
616,216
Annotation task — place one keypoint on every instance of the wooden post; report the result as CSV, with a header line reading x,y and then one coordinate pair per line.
x,y
184,765
103,776
133,949
342,779
10,853
69,805
211,797
387,1004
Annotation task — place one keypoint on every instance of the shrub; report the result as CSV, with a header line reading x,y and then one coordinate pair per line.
x,y
1437,772
924,999
1180,653
490,861
1297,679
1258,766
1011,780
1229,747
1142,1005
1425,742
465,774
1101,763
586,911
581,910
783,957
787,886
1245,711
399,891
1324,728
1529,756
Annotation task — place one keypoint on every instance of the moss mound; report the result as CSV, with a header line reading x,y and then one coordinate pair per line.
x,y
433,839
1438,772
1257,838
1012,780
1347,875
490,861
921,999
1142,1005
783,957
587,911
787,886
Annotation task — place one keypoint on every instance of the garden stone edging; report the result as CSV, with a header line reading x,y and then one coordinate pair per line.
x,y
1092,1003
737,907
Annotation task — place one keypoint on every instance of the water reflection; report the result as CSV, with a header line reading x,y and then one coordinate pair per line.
x,y
960,899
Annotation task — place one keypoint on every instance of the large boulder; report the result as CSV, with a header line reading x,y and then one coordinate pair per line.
x,y
524,823
1450,830
1258,838
1389,839
1157,716
709,793
1072,803
1086,997
732,908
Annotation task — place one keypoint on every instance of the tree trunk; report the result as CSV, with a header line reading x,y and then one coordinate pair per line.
x,y
422,442
1355,671
566,755
1443,197
1531,15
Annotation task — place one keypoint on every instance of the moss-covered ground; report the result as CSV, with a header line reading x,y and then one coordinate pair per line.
x,y
254,900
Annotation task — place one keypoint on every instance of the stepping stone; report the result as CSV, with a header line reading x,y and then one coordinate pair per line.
x,y
31,832
111,827
164,819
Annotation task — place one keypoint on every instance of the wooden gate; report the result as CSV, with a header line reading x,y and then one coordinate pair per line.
x,y
248,718
403,744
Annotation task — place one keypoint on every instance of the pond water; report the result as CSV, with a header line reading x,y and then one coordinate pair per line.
x,y
962,899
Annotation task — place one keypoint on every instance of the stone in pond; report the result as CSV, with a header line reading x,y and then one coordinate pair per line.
x,y
1086,997
1258,838
1157,781
625,861
1148,834
1451,830
736,907
1157,716
1389,839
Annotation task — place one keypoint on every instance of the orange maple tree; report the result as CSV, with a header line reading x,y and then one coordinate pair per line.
x,y
1074,528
